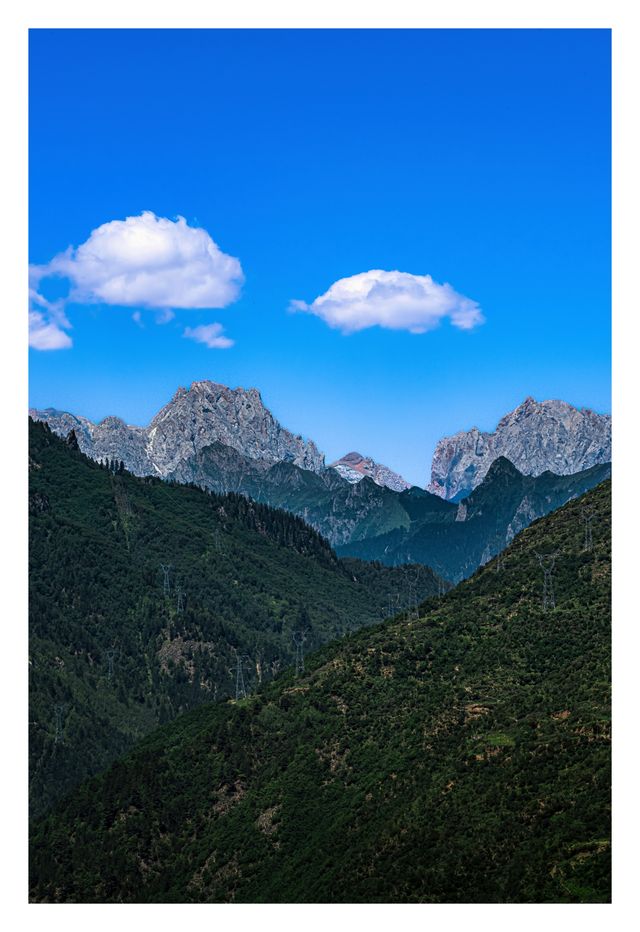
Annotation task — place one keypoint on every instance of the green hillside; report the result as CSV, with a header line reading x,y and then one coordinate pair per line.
x,y
461,757
112,656
370,522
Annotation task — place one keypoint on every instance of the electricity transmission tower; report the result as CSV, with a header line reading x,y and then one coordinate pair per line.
x,y
587,517
412,585
393,601
179,600
299,637
499,563
166,569
241,691
111,655
59,712
547,563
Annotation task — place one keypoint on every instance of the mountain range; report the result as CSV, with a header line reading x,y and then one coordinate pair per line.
x,y
225,440
460,756
536,437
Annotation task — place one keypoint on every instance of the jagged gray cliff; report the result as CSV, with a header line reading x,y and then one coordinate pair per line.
x,y
354,467
535,437
195,418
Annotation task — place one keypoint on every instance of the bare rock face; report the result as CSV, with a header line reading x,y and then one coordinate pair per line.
x,y
535,437
194,419
354,467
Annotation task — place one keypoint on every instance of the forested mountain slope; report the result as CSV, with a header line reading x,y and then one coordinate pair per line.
x,y
112,655
374,523
459,757
480,526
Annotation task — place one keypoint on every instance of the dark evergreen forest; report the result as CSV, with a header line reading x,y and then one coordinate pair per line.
x,y
461,756
114,652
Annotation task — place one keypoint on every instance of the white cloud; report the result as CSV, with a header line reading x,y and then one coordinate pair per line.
x,y
151,262
45,334
393,300
164,316
144,261
47,322
209,334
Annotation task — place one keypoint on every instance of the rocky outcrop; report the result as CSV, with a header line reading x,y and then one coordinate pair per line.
x,y
354,467
195,418
535,437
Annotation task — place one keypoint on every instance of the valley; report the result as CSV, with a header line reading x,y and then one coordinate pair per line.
x,y
461,756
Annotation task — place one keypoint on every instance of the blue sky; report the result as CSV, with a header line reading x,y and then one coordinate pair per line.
x,y
480,158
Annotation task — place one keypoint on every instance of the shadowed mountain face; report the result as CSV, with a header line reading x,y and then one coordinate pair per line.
x,y
113,653
536,437
462,756
375,523
480,526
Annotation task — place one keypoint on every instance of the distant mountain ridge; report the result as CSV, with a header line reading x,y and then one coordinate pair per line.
x,y
373,522
354,467
195,418
468,534
225,440
535,437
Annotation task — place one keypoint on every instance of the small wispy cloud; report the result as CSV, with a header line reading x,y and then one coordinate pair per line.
x,y
48,323
46,334
144,261
393,300
212,335
164,316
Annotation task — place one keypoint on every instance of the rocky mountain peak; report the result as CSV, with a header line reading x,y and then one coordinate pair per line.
x,y
535,437
195,418
354,467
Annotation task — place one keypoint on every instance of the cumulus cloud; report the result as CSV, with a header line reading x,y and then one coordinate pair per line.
x,y
144,261
150,261
209,334
393,300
